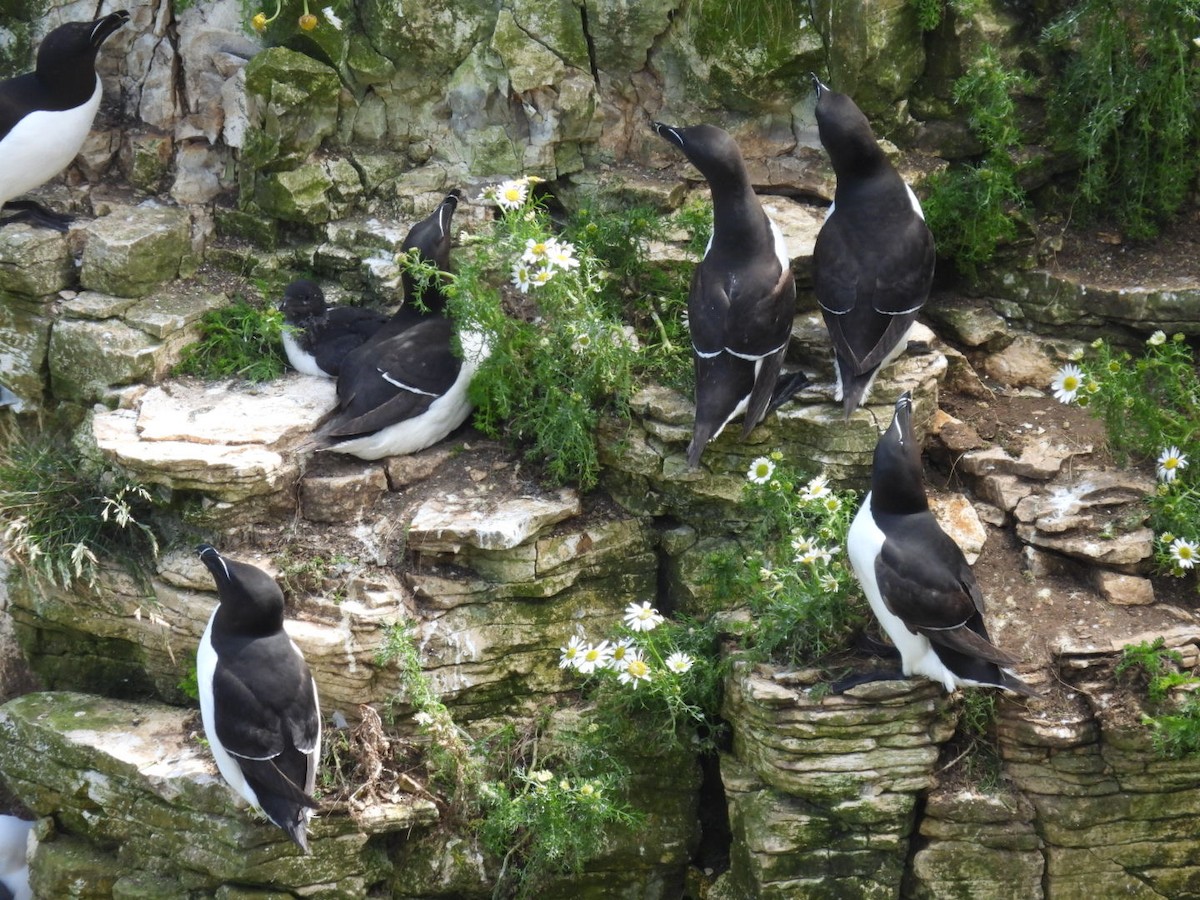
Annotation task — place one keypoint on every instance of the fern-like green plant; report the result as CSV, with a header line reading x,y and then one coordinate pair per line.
x,y
971,207
1127,108
241,340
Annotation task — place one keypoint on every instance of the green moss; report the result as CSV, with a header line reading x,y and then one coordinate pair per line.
x,y
16,43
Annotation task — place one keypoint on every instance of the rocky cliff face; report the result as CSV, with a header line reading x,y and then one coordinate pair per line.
x,y
315,155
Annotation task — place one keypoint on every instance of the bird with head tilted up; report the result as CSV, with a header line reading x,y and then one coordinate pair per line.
x,y
873,259
317,336
405,388
742,298
919,584
46,114
258,699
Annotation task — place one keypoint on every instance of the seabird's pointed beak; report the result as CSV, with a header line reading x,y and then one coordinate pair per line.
x,y
214,562
106,25
902,421
668,133
817,85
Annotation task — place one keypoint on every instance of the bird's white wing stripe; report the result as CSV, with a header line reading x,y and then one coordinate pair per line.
x,y
755,357
706,355
405,387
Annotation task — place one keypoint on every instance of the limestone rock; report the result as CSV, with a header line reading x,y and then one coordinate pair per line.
x,y
227,443
1025,362
124,774
34,262
1124,590
1088,517
957,517
312,193
342,497
446,525
88,357
129,253
293,100
970,324
1040,460
24,342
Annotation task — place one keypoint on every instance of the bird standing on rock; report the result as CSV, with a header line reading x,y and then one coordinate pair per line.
x,y
742,299
258,699
873,259
46,114
405,388
919,584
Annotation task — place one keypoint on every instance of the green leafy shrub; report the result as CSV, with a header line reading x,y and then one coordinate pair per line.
x,y
801,591
240,340
1126,106
931,12
62,514
562,353
1150,406
971,208
1175,724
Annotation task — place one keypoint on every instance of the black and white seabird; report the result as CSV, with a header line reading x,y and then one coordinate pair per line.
x,y
873,260
405,389
918,582
46,114
742,299
258,699
319,336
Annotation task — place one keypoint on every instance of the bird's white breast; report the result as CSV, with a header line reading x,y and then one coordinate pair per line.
x,y
42,144
300,359
917,657
206,669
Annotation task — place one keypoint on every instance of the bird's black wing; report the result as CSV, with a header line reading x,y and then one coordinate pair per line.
x,y
407,374
345,330
18,96
927,583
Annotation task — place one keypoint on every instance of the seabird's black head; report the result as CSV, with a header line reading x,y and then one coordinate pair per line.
x,y
74,45
710,149
845,132
431,238
897,483
251,601
303,300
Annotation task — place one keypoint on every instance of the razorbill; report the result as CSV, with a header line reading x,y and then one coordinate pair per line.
x,y
319,336
407,389
46,114
918,582
258,699
14,866
873,259
742,298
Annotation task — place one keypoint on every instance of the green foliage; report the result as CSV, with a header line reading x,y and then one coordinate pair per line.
x,y
1151,405
931,12
804,599
188,685
656,684
562,355
16,52
1126,105
1175,724
240,340
542,823
62,513
970,208
305,573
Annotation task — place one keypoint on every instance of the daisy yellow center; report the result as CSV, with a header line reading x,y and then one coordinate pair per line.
x,y
761,471
592,654
1171,463
638,669
619,653
512,195
1185,552
1070,383
538,249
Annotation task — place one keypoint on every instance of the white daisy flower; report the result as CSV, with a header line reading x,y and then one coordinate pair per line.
x,y
511,194
831,503
679,662
619,658
1066,383
593,657
760,471
332,19
1184,552
642,616
536,251
571,653
521,277
635,669
561,255
582,342
540,277
1157,339
423,719
1171,463
816,489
